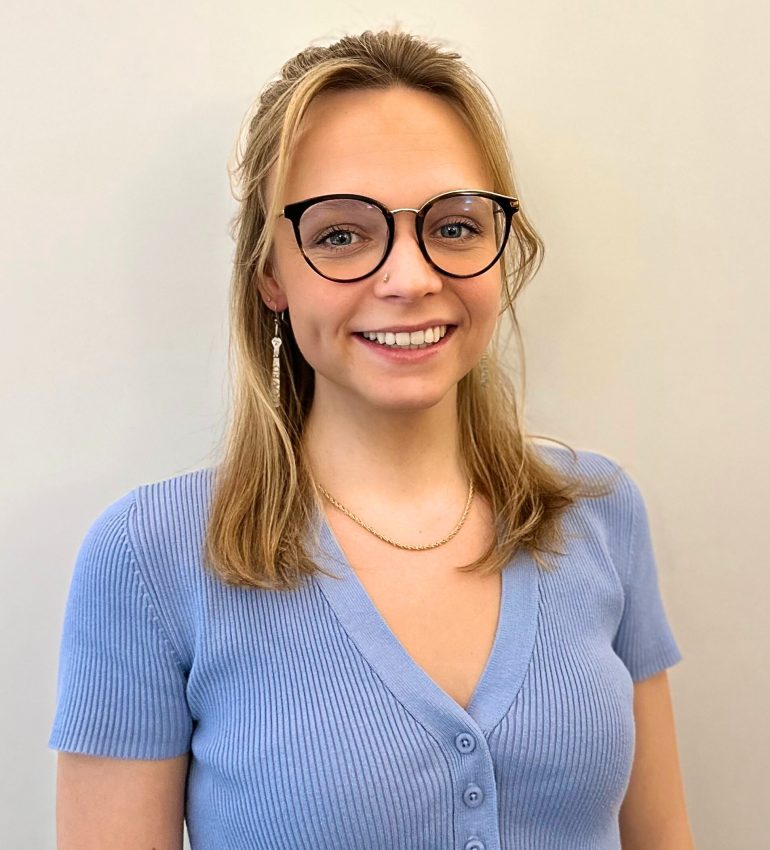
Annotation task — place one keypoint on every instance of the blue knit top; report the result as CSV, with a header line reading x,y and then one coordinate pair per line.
x,y
308,724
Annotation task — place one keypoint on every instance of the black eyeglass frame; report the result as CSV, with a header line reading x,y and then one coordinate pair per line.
x,y
510,206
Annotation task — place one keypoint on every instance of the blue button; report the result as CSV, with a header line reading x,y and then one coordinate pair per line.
x,y
474,844
465,743
473,796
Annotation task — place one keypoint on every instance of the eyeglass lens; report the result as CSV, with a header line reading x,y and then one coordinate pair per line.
x,y
345,238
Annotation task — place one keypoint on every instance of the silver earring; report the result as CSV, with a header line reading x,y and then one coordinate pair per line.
x,y
484,370
276,342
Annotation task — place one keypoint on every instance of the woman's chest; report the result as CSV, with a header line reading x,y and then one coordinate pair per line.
x,y
446,621
306,693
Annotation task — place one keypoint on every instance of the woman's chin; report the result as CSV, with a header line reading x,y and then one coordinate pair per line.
x,y
404,400
385,394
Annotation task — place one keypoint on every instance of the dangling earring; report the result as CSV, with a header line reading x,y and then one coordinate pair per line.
x,y
484,370
276,342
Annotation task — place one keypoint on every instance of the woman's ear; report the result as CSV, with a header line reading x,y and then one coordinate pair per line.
x,y
271,290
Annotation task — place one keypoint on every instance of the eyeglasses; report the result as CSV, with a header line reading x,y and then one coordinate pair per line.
x,y
346,238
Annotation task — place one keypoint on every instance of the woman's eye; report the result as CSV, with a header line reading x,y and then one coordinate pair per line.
x,y
337,238
454,230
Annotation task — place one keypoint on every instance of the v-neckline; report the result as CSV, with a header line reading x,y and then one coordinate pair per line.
x,y
506,666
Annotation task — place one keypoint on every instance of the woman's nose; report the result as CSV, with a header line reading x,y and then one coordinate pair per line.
x,y
409,274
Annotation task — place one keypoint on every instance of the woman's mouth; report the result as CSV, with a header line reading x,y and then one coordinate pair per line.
x,y
408,341
403,345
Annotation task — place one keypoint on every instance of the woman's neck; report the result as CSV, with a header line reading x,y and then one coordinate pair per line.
x,y
376,456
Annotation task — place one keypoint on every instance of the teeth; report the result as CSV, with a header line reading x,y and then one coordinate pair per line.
x,y
404,339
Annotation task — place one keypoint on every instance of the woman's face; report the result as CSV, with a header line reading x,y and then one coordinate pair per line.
x,y
400,147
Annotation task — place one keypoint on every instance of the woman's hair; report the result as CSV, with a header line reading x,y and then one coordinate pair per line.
x,y
264,499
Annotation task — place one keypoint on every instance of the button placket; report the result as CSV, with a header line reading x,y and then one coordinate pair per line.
x,y
472,796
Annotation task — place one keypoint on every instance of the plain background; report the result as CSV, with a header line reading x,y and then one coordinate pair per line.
x,y
640,135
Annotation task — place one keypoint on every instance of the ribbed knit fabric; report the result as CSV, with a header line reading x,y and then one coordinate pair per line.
x,y
309,725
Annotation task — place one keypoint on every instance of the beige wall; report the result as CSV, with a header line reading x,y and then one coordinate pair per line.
x,y
640,135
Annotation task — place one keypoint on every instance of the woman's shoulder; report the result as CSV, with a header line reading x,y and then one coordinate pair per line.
x,y
151,538
618,516
160,519
165,502
175,508
587,463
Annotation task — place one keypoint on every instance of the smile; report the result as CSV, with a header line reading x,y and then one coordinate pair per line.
x,y
403,339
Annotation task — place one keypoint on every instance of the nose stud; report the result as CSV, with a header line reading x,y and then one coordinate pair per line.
x,y
385,279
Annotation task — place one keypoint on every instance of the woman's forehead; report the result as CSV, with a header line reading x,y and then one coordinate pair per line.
x,y
384,143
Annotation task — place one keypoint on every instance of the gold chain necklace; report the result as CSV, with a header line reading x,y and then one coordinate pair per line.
x,y
393,542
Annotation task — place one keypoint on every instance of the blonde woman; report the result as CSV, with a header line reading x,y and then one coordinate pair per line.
x,y
387,618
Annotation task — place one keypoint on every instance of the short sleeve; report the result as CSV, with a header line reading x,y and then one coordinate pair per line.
x,y
121,688
644,640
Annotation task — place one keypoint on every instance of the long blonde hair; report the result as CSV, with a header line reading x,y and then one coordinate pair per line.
x,y
264,498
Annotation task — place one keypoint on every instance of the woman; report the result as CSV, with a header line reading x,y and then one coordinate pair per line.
x,y
345,635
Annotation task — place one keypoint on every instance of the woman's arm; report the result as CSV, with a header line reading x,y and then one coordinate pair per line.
x,y
120,803
654,813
